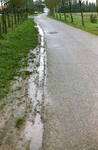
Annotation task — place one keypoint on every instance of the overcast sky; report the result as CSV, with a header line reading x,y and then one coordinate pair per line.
x,y
94,1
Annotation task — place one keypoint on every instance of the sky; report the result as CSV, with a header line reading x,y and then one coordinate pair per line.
x,y
94,1
91,1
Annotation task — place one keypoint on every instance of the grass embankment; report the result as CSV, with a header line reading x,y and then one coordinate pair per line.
x,y
13,51
88,26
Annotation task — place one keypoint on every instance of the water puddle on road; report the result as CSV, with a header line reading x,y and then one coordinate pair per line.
x,y
34,124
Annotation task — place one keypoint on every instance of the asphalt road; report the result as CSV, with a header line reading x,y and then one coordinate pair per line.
x,y
71,109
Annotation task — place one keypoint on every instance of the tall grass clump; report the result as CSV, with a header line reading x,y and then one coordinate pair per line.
x,y
93,18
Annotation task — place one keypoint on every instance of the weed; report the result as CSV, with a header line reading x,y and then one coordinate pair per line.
x,y
2,105
33,55
27,148
38,64
19,122
19,104
28,72
6,122
25,63
32,61
18,88
37,52
18,98
23,74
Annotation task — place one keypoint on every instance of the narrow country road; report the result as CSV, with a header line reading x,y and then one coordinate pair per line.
x,y
71,110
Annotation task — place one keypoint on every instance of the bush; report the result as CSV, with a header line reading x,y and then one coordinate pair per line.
x,y
93,18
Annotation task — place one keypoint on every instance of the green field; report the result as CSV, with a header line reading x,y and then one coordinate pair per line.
x,y
13,51
88,26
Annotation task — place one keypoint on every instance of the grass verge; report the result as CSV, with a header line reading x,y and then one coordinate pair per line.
x,y
13,51
88,26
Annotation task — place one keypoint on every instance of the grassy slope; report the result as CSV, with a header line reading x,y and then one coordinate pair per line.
x,y
13,47
89,27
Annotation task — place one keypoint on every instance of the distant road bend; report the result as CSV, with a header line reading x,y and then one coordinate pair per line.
x,y
72,87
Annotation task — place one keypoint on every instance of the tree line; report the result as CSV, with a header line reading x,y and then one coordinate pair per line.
x,y
64,6
86,7
15,10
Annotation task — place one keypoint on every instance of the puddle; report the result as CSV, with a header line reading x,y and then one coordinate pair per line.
x,y
34,126
47,32
34,132
53,32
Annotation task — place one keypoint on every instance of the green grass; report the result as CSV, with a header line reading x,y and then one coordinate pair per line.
x,y
13,51
88,26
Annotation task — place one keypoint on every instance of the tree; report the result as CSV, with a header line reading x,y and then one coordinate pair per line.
x,y
97,6
63,3
51,4
81,12
70,11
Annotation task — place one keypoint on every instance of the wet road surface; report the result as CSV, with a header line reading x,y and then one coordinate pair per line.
x,y
71,110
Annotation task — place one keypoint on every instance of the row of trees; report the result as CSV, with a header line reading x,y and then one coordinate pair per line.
x,y
17,9
39,6
57,5
10,6
13,6
87,7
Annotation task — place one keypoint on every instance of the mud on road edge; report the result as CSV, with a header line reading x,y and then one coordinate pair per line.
x,y
22,116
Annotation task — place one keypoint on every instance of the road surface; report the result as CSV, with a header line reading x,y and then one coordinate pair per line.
x,y
71,109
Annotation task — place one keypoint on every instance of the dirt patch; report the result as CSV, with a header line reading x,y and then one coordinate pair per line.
x,y
22,110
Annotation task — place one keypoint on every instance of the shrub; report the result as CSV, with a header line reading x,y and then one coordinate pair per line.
x,y
93,18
